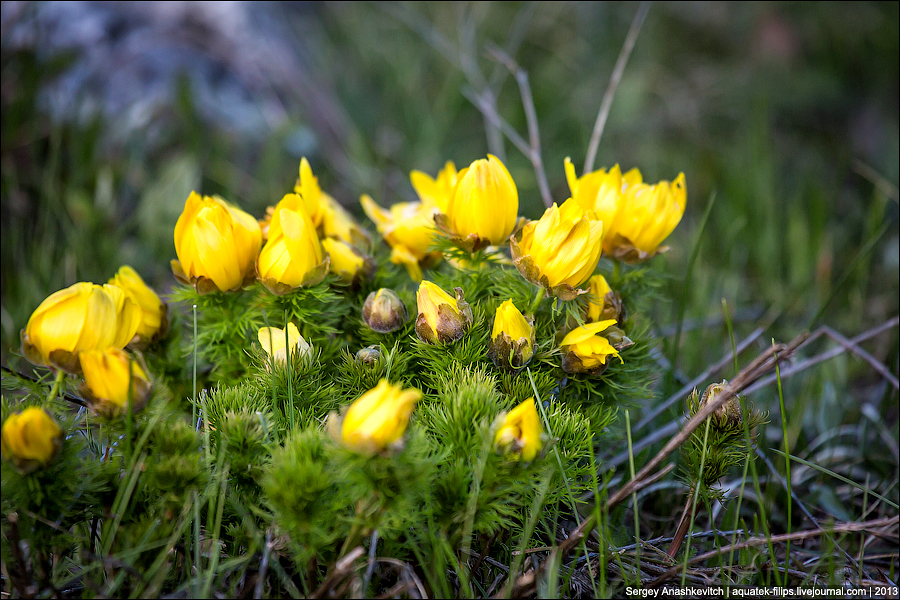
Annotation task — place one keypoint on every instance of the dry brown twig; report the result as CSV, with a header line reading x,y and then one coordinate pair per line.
x,y
756,369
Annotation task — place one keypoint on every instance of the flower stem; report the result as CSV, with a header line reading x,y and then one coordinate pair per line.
x,y
54,391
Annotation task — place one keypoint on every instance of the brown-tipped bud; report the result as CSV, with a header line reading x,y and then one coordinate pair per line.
x,y
512,341
727,415
383,311
441,319
369,355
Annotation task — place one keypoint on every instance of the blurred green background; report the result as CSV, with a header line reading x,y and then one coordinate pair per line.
x,y
785,113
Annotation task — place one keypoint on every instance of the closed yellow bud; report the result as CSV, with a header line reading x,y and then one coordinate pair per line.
x,y
408,228
438,191
378,418
599,191
216,243
84,316
109,377
604,302
292,256
520,430
484,207
512,339
154,320
586,351
441,318
30,439
273,342
383,311
559,251
347,262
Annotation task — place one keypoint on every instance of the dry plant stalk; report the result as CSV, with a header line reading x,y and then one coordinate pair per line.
x,y
756,369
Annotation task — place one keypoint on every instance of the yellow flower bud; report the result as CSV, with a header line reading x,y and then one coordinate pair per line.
x,y
30,439
383,311
586,351
81,317
435,192
154,320
408,228
292,256
512,339
216,243
347,262
273,342
484,207
441,318
109,376
520,430
600,191
378,418
559,251
604,303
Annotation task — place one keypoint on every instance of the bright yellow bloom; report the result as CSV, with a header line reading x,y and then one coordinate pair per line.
x,y
520,432
600,191
153,312
383,311
338,224
30,439
484,208
307,187
81,317
441,318
646,215
561,250
435,192
585,350
346,261
108,374
408,228
216,243
273,341
379,417
512,338
292,256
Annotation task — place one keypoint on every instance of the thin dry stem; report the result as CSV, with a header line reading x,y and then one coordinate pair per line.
x,y
614,79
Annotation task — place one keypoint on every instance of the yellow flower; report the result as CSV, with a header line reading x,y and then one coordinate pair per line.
x,y
307,187
108,375
273,341
559,251
383,311
408,228
435,192
338,224
520,432
512,339
600,191
484,207
347,262
154,320
216,243
646,215
30,439
379,417
81,317
292,256
604,303
586,351
441,318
